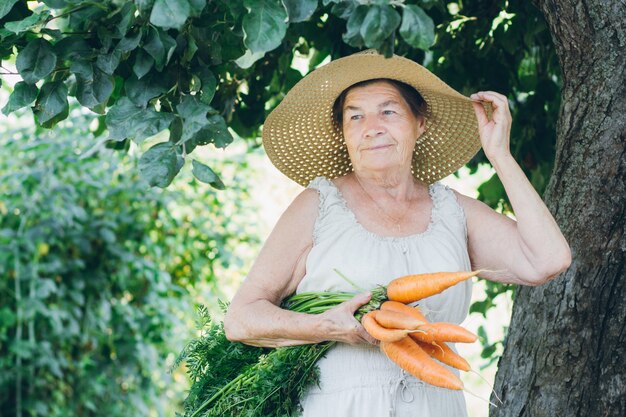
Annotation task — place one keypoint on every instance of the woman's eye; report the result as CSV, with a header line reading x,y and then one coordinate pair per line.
x,y
355,117
388,112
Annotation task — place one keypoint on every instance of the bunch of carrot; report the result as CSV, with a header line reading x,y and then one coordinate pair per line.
x,y
269,382
408,339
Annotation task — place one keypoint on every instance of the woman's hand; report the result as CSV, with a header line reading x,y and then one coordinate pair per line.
x,y
495,133
342,326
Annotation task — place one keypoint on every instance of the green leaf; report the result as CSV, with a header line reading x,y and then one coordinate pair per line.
x,y
248,59
23,95
176,131
299,10
129,43
141,91
197,6
209,84
481,307
126,120
190,49
417,29
93,86
32,21
160,46
206,175
170,13
143,63
109,62
73,47
488,351
215,131
379,23
353,27
82,68
51,105
264,26
160,164
344,9
127,18
36,60
491,192
482,334
6,6
194,114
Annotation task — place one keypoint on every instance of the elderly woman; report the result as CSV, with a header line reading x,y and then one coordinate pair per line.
x,y
371,137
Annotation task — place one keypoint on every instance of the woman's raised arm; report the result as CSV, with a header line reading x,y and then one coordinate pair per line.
x,y
528,251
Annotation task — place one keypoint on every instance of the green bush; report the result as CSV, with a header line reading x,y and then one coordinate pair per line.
x,y
97,275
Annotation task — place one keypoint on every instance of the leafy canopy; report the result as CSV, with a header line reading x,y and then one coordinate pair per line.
x,y
192,67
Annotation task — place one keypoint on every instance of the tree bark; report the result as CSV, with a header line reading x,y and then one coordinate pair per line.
x,y
565,353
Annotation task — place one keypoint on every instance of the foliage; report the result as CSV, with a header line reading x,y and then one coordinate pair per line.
x,y
180,65
194,67
96,270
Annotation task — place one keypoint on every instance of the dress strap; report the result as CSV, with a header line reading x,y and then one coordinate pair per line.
x,y
449,210
330,202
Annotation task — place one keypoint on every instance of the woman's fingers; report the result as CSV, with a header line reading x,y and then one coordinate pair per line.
x,y
492,96
343,326
499,102
357,301
494,133
361,335
481,114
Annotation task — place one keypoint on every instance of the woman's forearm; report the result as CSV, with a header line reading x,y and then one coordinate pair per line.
x,y
540,237
264,324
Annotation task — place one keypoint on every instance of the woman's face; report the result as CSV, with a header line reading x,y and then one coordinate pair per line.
x,y
379,128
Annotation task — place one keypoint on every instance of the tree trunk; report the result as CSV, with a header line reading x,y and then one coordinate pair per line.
x,y
565,353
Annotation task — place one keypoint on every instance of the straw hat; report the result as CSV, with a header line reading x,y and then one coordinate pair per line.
x,y
302,141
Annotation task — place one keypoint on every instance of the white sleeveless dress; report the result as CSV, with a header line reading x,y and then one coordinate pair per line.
x,y
360,380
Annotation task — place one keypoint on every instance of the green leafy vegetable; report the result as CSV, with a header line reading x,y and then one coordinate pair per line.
x,y
234,379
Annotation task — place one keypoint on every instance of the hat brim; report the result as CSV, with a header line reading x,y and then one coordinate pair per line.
x,y
302,141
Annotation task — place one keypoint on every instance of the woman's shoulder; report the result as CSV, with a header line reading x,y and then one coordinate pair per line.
x,y
475,212
305,201
466,202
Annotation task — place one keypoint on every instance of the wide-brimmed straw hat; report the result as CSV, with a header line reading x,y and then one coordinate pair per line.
x,y
303,142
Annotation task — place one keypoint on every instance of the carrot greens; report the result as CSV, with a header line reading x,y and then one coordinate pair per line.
x,y
234,379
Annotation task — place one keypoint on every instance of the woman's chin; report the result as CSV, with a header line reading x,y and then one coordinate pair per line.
x,y
384,165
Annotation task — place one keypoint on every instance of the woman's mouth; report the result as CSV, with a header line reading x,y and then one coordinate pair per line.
x,y
378,147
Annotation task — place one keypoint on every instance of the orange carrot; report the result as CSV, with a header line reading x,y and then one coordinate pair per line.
x,y
403,308
444,354
412,288
444,332
409,356
378,332
395,320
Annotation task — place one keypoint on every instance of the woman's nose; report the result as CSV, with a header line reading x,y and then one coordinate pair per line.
x,y
373,127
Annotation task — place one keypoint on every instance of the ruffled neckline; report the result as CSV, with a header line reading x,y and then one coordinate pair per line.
x,y
434,215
